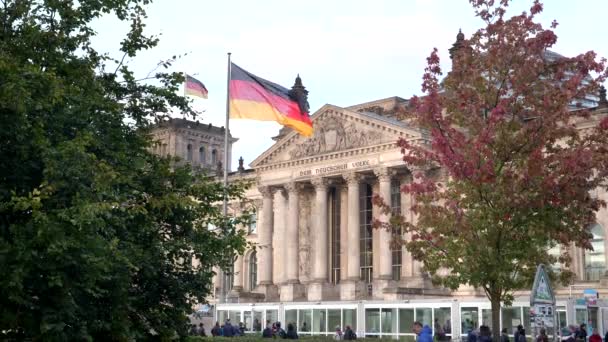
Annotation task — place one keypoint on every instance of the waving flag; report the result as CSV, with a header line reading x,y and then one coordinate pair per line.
x,y
195,87
252,97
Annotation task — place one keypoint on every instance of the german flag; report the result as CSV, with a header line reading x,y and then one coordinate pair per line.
x,y
255,98
195,87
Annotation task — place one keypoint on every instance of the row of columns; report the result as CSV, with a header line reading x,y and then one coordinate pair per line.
x,y
280,207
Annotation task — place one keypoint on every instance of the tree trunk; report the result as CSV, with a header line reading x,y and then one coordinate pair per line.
x,y
495,300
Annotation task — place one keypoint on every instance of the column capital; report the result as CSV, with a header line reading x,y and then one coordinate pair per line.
x,y
278,190
352,178
292,187
319,183
265,190
384,174
417,168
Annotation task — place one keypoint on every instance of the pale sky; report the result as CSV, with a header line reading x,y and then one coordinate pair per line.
x,y
346,51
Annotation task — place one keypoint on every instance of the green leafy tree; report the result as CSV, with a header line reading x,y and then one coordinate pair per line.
x,y
99,238
509,161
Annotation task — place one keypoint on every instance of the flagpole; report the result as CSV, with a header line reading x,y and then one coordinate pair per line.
x,y
226,138
227,127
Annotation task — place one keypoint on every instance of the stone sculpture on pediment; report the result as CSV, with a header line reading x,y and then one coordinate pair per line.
x,y
334,134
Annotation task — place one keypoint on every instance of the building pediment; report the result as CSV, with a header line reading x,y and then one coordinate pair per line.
x,y
337,130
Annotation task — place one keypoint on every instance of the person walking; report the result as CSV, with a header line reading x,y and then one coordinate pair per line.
x,y
504,336
215,331
595,336
267,333
485,335
424,333
201,330
542,337
291,332
349,334
338,335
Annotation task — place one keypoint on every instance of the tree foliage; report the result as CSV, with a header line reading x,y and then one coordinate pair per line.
x,y
508,167
97,235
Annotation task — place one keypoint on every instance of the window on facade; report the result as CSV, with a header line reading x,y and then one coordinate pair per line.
x,y
253,271
397,258
253,224
229,279
214,157
595,260
189,152
365,233
469,319
334,203
201,155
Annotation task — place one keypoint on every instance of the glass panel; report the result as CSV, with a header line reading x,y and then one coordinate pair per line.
x,y
222,315
561,317
595,262
291,316
389,320
527,323
318,321
350,318
333,320
235,316
424,316
248,320
443,322
581,316
305,319
406,320
469,318
272,315
511,318
258,321
408,338
372,320
486,317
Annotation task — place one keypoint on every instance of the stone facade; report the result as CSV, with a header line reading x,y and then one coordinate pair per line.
x,y
200,144
313,235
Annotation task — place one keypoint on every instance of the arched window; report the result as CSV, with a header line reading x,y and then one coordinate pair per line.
x,y
189,152
253,271
214,157
201,155
595,260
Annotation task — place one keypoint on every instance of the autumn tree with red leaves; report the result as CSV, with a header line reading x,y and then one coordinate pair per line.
x,y
508,169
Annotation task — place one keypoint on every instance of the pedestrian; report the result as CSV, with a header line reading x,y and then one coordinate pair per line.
x,y
424,333
542,337
215,331
472,335
338,335
291,332
280,331
439,333
349,334
516,333
201,330
582,333
522,336
304,326
267,333
257,326
241,329
192,331
504,336
595,336
485,335
229,330
606,337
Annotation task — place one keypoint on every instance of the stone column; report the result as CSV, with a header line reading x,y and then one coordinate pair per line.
x,y
353,270
292,289
292,236
348,288
406,205
320,240
320,231
384,180
279,227
265,238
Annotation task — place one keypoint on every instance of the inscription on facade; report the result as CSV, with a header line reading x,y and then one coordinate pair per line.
x,y
336,168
